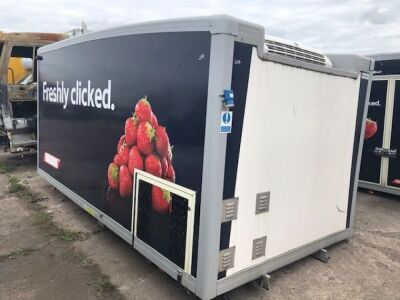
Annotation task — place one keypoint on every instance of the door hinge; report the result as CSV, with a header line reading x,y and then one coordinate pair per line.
x,y
383,152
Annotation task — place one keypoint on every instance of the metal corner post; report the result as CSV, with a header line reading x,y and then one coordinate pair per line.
x,y
220,75
37,116
360,148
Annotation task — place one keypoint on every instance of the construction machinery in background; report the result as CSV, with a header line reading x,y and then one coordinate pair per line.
x,y
18,85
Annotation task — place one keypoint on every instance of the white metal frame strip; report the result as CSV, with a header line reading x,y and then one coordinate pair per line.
x,y
386,128
389,123
177,190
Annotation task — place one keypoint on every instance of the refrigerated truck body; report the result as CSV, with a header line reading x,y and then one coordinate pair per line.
x,y
380,164
265,143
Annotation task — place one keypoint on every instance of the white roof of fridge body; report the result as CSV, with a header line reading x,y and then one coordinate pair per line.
x,y
285,52
386,56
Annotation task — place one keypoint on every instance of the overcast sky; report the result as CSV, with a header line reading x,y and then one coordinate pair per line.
x,y
358,26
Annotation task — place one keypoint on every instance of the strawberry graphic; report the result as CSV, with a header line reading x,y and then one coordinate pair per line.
x,y
170,175
113,176
123,154
120,142
160,200
164,166
116,160
152,165
135,160
370,129
162,141
396,181
125,182
131,131
143,110
144,146
169,155
145,138
154,121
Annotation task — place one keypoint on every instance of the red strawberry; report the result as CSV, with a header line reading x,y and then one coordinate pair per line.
x,y
125,182
120,142
370,129
152,165
396,181
113,176
116,160
135,160
123,154
162,141
143,110
145,138
154,121
160,200
131,131
164,166
170,173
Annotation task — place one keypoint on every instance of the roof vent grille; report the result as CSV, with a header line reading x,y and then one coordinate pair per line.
x,y
295,51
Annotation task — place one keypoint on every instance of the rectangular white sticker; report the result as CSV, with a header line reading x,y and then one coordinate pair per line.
x,y
51,160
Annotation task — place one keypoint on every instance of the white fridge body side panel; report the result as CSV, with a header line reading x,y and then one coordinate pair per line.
x,y
297,143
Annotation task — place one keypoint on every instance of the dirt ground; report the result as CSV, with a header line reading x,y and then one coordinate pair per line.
x,y
52,249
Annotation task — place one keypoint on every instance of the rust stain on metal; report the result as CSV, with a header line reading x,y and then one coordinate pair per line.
x,y
32,37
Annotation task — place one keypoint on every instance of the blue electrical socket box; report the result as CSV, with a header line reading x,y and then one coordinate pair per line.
x,y
229,100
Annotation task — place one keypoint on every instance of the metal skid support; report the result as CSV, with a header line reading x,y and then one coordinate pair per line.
x,y
264,282
321,255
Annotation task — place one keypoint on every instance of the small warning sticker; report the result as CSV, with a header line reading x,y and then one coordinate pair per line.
x,y
226,122
51,160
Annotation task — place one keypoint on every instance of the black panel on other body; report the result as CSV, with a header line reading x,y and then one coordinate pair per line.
x,y
371,164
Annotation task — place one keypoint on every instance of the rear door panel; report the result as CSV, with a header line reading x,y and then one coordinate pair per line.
x,y
371,164
394,163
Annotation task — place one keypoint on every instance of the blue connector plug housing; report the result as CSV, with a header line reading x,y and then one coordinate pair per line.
x,y
229,100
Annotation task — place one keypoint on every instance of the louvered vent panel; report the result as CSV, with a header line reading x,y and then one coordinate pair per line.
x,y
226,259
295,52
229,210
259,246
262,202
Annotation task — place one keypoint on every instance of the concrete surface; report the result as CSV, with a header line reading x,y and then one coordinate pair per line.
x,y
366,267
34,262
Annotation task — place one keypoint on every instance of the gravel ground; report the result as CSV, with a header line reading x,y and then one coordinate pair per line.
x,y
52,249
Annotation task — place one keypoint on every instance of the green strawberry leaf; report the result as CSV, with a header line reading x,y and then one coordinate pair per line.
x,y
114,172
150,131
166,196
